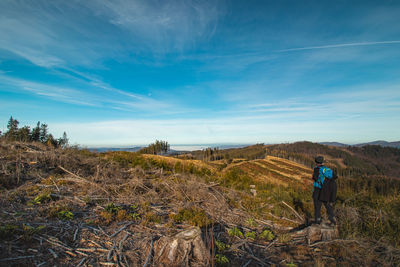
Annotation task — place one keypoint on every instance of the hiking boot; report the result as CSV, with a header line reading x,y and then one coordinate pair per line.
x,y
332,222
317,221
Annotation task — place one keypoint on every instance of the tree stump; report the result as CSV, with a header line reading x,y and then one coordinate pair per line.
x,y
316,232
183,249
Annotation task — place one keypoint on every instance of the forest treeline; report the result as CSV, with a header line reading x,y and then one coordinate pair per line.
x,y
250,152
156,148
40,133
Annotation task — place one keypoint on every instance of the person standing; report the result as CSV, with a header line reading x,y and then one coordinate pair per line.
x,y
324,190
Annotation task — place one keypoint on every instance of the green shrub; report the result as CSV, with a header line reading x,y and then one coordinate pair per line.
x,y
266,234
221,246
221,260
251,222
251,235
194,216
42,198
65,215
234,231
112,208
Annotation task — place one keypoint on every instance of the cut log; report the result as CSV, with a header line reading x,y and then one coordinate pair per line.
x,y
183,249
315,233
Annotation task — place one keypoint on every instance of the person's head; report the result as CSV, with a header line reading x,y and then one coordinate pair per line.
x,y
319,160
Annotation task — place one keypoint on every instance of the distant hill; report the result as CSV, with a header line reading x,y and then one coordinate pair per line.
x,y
181,149
333,144
374,143
175,149
381,143
108,149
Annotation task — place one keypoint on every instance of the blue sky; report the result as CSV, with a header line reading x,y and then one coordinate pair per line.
x,y
126,72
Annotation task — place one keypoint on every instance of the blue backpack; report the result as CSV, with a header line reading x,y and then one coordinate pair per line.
x,y
324,172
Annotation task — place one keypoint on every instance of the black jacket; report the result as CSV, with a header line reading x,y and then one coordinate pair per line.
x,y
329,188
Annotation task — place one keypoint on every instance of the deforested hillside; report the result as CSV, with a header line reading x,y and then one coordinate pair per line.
x,y
71,207
369,160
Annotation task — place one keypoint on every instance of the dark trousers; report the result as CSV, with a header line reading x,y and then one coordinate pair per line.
x,y
317,209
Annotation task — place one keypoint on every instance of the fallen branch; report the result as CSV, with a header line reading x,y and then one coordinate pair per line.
x,y
81,253
18,258
101,229
150,252
86,249
109,255
236,246
253,257
123,240
92,249
294,211
270,244
121,229
282,218
264,247
95,243
81,262
71,253
332,241
247,263
107,263
56,243
125,260
81,179
212,185
76,233
58,189
120,260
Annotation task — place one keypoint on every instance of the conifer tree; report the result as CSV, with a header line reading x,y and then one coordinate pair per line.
x,y
43,133
23,134
12,127
35,135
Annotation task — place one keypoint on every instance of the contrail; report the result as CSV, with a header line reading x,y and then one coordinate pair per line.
x,y
338,45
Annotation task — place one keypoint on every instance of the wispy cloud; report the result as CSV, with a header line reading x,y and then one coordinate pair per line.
x,y
339,45
54,92
371,101
15,34
91,94
163,26
71,33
